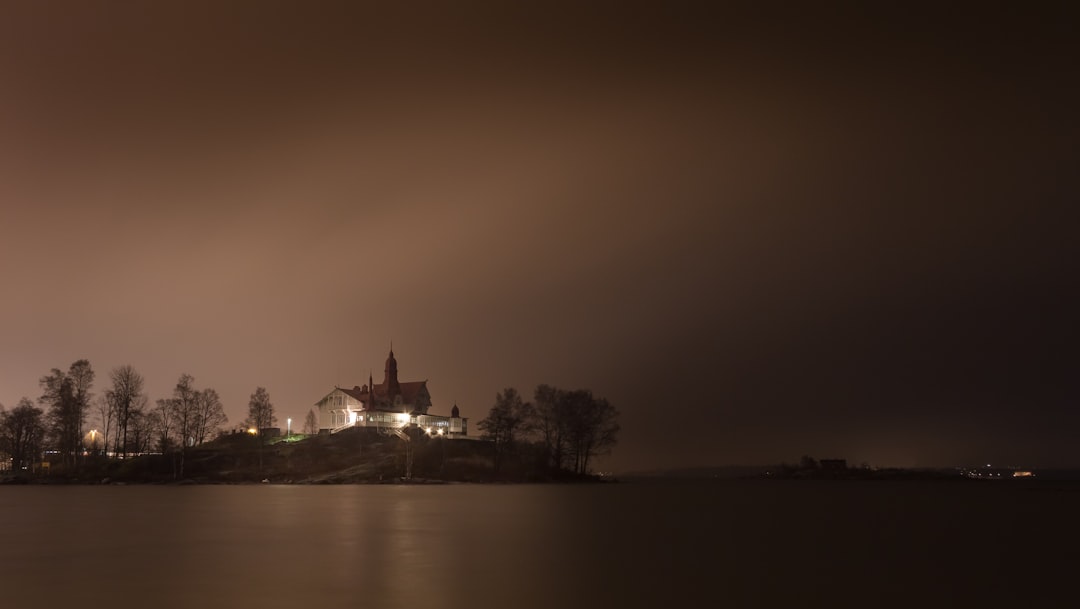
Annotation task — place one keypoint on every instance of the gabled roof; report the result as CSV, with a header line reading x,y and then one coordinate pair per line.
x,y
336,389
354,393
410,393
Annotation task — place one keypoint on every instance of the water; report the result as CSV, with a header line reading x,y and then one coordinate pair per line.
x,y
710,544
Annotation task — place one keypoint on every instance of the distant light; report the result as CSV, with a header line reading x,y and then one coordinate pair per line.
x,y
440,432
253,431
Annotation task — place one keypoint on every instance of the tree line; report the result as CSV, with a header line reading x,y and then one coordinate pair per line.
x,y
563,429
127,423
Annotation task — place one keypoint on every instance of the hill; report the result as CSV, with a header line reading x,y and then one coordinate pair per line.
x,y
352,456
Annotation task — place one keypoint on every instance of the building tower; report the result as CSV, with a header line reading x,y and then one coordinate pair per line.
x,y
390,380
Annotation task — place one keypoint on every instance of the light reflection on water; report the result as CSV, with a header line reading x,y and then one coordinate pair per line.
x,y
730,544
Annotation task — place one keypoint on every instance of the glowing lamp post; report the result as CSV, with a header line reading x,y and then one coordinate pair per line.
x,y
288,433
90,443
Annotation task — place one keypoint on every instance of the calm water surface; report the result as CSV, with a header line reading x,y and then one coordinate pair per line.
x,y
710,544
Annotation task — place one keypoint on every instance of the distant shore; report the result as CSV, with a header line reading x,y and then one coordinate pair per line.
x,y
790,472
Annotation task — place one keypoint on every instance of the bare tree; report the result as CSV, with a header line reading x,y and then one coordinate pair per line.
x,y
209,415
192,415
184,415
185,410
127,400
261,411
261,416
67,396
22,432
82,381
161,420
551,423
575,426
590,426
311,423
106,418
594,429
58,398
509,420
141,431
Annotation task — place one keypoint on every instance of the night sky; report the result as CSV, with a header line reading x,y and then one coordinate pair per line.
x,y
835,230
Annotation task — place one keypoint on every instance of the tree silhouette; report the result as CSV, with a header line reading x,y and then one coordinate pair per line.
x,y
311,423
261,411
574,426
67,397
127,400
22,432
509,419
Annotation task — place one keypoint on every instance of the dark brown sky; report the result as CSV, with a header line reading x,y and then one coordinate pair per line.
x,y
835,230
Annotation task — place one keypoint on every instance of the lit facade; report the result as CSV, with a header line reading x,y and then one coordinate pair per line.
x,y
390,404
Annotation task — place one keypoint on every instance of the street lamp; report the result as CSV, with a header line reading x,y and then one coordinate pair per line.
x,y
288,433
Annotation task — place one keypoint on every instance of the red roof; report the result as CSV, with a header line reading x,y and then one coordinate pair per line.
x,y
410,392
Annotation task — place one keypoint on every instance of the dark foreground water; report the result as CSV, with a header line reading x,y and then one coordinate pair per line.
x,y
705,544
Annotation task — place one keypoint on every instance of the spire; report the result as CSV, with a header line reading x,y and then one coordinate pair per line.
x,y
370,403
390,380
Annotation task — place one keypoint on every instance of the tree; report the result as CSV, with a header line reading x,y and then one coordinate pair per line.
x,y
82,381
260,416
184,413
194,415
574,426
127,400
190,417
58,398
22,433
185,410
163,426
508,421
141,433
311,423
261,410
550,422
67,396
593,428
106,416
209,415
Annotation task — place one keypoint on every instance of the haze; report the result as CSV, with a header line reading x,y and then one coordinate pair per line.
x,y
842,232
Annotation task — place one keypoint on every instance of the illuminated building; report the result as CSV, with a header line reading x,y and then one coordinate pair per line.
x,y
390,404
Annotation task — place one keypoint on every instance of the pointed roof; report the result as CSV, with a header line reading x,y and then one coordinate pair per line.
x,y
409,391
